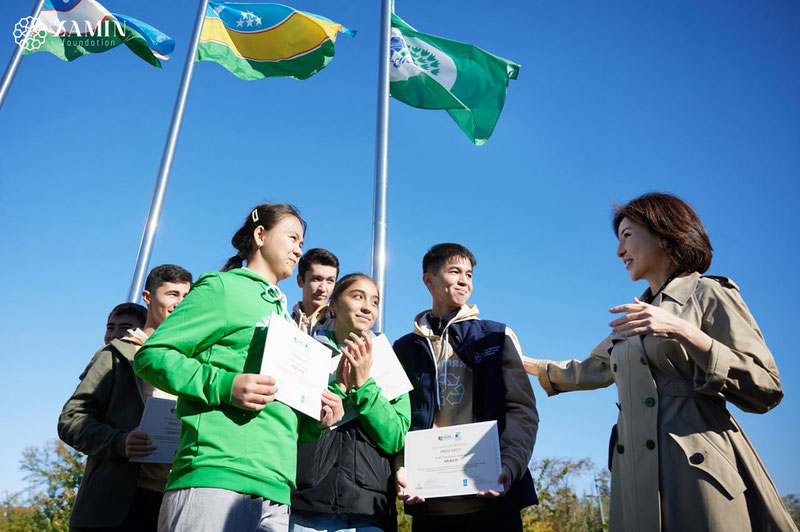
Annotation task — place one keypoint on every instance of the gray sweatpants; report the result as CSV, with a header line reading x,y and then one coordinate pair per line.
x,y
218,510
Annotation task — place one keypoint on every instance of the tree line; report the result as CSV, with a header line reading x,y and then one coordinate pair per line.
x,y
54,472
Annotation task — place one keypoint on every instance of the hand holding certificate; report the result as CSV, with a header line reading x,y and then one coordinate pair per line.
x,y
159,422
298,364
449,461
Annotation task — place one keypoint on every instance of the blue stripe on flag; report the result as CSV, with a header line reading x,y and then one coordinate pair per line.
x,y
158,41
60,5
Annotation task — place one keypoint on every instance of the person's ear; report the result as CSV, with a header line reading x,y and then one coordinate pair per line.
x,y
300,282
146,296
427,280
259,236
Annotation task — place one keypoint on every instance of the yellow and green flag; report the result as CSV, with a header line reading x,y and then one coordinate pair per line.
x,y
259,40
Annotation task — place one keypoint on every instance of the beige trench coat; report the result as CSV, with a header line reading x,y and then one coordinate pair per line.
x,y
680,461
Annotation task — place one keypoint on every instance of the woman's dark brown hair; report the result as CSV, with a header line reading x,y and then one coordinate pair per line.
x,y
675,224
265,215
345,282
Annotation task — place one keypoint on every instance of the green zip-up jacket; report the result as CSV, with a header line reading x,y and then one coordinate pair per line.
x,y
217,332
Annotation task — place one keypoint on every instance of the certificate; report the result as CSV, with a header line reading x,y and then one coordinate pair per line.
x,y
163,427
299,365
457,460
386,370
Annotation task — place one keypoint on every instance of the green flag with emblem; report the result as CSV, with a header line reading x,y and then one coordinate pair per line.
x,y
431,72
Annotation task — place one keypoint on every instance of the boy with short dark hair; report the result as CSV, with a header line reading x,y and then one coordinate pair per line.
x,y
101,417
316,274
464,370
123,317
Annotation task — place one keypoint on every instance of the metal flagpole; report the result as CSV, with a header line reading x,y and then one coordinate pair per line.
x,y
16,57
379,207
599,500
153,215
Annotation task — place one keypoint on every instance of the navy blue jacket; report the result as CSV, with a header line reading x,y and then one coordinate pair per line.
x,y
479,344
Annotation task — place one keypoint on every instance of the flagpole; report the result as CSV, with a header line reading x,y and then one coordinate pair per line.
x,y
154,214
16,58
379,206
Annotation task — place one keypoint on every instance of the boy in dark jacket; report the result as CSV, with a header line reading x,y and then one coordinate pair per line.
x,y
467,370
101,417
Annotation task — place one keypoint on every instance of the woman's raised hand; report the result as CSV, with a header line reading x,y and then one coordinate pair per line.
x,y
642,318
343,377
358,354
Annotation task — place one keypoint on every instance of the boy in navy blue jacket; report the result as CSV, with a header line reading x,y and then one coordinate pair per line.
x,y
467,370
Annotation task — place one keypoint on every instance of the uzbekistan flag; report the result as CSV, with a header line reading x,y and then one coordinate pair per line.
x,y
71,28
256,41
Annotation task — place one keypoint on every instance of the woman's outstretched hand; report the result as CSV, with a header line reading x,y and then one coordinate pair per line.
x,y
531,365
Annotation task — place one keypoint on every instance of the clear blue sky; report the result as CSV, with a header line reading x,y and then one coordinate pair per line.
x,y
614,99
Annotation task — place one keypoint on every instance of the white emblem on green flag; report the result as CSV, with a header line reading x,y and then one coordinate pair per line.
x,y
431,72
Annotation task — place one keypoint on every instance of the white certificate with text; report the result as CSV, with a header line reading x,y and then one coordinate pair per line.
x,y
449,461
163,427
386,370
299,365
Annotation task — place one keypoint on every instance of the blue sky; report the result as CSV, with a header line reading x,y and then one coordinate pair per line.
x,y
614,99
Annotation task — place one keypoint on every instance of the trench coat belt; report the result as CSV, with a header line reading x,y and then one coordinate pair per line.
x,y
681,388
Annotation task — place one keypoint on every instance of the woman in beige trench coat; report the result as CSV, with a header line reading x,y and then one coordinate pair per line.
x,y
679,461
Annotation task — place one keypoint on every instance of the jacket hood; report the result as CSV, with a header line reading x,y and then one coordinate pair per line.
x,y
271,292
422,325
297,310
244,272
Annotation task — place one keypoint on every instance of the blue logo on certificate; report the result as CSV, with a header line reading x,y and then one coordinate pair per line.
x,y
303,398
464,481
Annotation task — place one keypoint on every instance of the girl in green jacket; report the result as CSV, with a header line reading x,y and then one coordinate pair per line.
x,y
344,480
235,467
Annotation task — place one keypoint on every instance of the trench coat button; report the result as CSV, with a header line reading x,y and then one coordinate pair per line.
x,y
649,402
697,458
650,444
643,361
334,508
614,367
620,448
336,464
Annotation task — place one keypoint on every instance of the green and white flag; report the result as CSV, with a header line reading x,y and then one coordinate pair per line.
x,y
431,72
